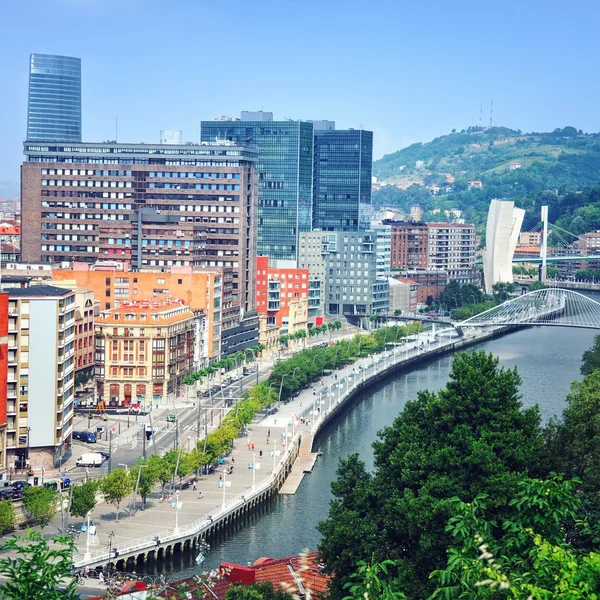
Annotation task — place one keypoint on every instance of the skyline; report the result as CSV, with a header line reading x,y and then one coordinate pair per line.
x,y
404,75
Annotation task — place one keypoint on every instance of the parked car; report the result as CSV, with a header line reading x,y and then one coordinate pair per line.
x,y
88,437
77,435
91,459
6,494
104,455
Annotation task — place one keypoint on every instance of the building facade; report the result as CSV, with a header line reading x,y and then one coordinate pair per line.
x,y
430,284
451,248
343,162
347,263
160,206
383,247
203,290
502,233
144,349
41,375
285,171
409,245
3,376
54,105
403,295
282,294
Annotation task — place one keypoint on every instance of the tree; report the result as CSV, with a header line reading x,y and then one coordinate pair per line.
x,y
39,569
591,358
527,554
115,488
41,503
7,516
502,290
83,499
473,436
537,285
147,473
256,591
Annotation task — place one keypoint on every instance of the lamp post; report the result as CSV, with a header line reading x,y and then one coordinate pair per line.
x,y
253,470
224,486
111,535
274,454
88,557
281,388
177,506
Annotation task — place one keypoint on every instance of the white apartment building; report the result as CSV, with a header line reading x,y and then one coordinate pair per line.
x,y
451,248
41,375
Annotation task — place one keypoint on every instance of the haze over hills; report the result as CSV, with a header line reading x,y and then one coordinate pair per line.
x,y
466,169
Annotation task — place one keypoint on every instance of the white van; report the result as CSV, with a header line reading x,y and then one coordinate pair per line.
x,y
91,459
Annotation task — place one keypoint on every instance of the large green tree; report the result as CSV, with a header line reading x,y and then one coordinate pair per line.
x,y
115,488
39,570
83,499
471,437
41,503
591,358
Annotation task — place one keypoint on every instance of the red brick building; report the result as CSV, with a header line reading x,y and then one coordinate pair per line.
x,y
409,247
282,294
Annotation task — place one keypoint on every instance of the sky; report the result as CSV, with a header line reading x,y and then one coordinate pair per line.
x,y
408,71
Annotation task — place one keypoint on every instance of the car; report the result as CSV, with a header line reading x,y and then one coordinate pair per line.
x,y
272,411
77,435
88,437
6,494
171,418
105,455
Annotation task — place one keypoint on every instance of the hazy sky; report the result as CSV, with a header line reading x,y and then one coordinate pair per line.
x,y
409,71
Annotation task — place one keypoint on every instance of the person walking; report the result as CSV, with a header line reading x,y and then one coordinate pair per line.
x,y
194,488
269,433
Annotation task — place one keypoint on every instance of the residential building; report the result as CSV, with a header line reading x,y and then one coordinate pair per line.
x,y
416,212
85,310
502,232
41,375
3,376
282,294
342,180
451,248
429,283
435,246
530,238
159,206
403,294
144,349
409,245
345,262
54,106
268,335
285,169
589,243
203,290
383,246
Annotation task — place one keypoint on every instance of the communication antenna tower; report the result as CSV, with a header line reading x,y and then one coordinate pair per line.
x,y
481,115
492,113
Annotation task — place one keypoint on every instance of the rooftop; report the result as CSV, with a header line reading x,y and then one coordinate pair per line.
x,y
39,291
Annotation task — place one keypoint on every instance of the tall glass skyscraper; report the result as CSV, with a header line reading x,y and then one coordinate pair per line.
x,y
342,180
54,107
285,165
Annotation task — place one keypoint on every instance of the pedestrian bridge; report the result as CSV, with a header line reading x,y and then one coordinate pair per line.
x,y
550,306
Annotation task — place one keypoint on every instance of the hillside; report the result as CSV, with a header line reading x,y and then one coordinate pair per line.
x,y
508,163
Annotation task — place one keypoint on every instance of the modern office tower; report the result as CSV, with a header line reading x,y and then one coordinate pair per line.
x,y
502,233
41,378
347,261
152,206
342,180
145,349
324,125
285,166
54,106
282,295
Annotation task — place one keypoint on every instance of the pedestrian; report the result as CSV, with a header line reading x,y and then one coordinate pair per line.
x,y
220,477
253,446
267,441
101,577
260,454
232,460
249,444
275,422
194,488
269,433
87,570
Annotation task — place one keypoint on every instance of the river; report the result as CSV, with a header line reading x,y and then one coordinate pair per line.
x,y
548,360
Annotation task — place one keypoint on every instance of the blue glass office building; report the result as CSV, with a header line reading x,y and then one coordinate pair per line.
x,y
54,107
285,165
343,164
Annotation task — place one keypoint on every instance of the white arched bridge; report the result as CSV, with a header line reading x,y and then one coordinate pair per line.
x,y
549,306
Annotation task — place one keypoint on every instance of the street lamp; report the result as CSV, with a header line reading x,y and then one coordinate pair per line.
x,y
177,505
88,557
111,535
253,470
280,388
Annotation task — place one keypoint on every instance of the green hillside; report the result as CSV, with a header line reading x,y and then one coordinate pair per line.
x,y
565,160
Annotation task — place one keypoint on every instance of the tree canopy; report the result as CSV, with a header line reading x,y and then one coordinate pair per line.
x,y
471,437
